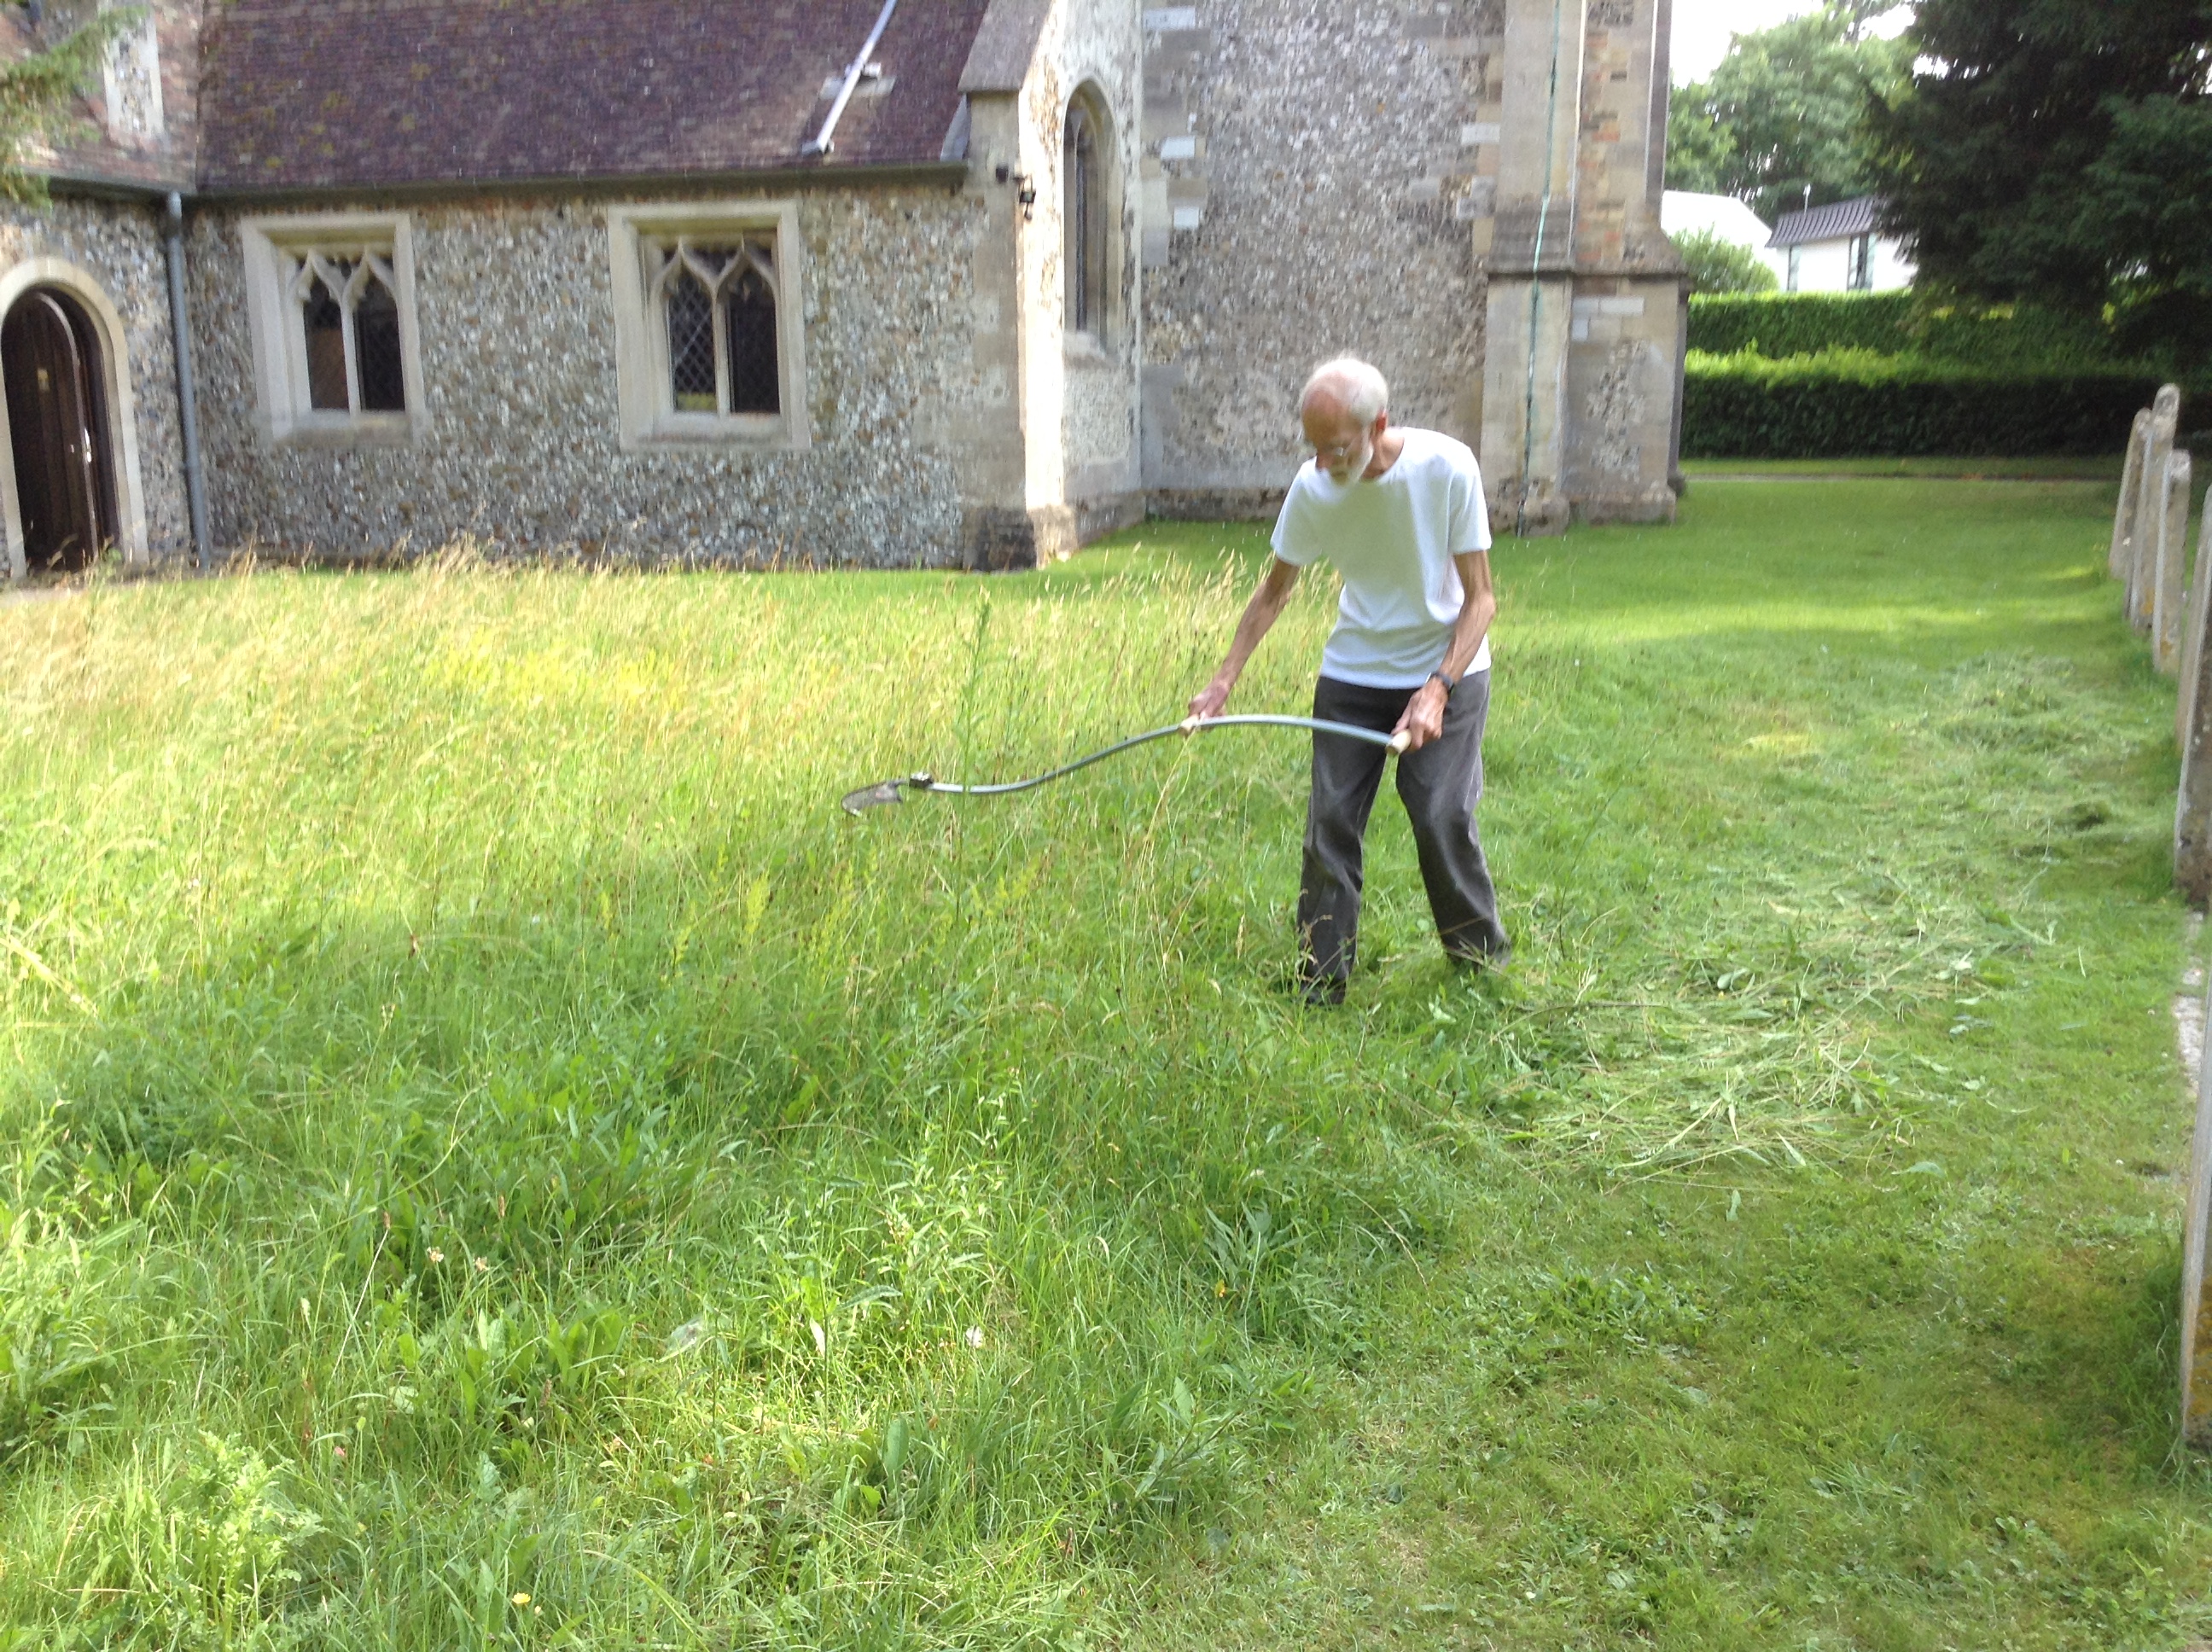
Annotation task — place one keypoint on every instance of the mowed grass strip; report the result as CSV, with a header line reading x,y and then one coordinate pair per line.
x,y
493,1159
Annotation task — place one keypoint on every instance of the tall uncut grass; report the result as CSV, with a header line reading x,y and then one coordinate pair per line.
x,y
490,1156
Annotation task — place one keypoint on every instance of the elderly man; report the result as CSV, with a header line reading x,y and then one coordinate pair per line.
x,y
1400,513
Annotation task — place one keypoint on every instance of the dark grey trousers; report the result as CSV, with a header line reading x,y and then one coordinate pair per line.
x,y
1439,785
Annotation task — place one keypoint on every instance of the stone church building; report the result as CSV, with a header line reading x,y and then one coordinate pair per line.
x,y
896,282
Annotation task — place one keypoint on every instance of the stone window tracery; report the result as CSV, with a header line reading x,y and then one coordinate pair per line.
x,y
717,306
349,320
709,326
330,299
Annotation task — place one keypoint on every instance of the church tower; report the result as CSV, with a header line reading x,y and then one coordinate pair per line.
x,y
1464,191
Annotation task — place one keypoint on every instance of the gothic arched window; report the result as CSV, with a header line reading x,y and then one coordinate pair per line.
x,y
718,307
1086,216
329,307
350,316
710,335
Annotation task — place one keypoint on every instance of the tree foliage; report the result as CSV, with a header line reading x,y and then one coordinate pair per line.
x,y
2060,151
1717,266
38,93
1785,111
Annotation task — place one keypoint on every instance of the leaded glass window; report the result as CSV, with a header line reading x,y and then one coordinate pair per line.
x,y
717,304
349,308
323,317
690,341
376,339
1085,222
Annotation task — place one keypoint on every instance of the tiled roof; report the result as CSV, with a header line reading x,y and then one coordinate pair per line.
x,y
1838,220
365,93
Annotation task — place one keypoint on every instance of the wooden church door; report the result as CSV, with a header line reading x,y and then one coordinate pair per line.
x,y
58,428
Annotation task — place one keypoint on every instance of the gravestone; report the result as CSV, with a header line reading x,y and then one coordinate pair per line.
x,y
2124,518
2150,498
2196,1321
2193,818
2169,584
2194,644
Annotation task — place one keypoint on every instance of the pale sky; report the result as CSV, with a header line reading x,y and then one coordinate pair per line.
x,y
1701,29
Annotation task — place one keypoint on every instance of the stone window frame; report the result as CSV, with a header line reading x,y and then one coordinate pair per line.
x,y
644,404
1084,215
285,413
1105,200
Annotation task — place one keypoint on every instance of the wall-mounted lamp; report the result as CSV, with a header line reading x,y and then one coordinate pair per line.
x,y
1024,190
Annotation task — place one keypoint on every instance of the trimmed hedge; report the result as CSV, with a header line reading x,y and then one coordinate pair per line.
x,y
1780,324
2021,339
1784,325
1857,404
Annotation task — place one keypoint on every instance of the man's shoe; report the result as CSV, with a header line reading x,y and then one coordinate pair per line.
x,y
1320,992
1475,964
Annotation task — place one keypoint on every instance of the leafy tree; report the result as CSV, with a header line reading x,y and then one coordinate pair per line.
x,y
1699,152
38,94
2060,151
1722,266
1859,15
1786,110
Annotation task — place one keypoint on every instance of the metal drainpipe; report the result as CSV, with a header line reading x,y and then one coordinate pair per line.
x,y
1536,277
187,403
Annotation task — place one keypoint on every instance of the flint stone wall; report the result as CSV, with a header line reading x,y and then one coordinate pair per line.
x,y
120,247
1311,171
516,317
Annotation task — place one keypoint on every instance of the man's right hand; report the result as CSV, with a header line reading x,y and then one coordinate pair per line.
x,y
1208,702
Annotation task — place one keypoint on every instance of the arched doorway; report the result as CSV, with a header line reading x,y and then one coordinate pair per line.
x,y
59,430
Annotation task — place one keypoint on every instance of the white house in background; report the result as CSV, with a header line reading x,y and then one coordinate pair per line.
x,y
1681,213
1835,249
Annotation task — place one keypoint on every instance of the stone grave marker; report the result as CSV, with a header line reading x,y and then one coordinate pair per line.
x,y
2194,642
2196,1312
2193,818
2124,519
2143,572
2169,584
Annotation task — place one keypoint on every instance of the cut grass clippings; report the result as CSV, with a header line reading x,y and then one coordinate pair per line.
x,y
493,1159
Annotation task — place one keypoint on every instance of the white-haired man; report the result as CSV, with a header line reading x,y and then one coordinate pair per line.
x,y
1400,514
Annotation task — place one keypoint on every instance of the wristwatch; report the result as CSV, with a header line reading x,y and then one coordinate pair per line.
x,y
1449,682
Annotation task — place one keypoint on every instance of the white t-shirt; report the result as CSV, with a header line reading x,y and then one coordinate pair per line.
x,y
1393,539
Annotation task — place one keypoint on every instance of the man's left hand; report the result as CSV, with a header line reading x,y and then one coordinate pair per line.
x,y
1424,717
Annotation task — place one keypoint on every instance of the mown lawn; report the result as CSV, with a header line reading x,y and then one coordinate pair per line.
x,y
490,1157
